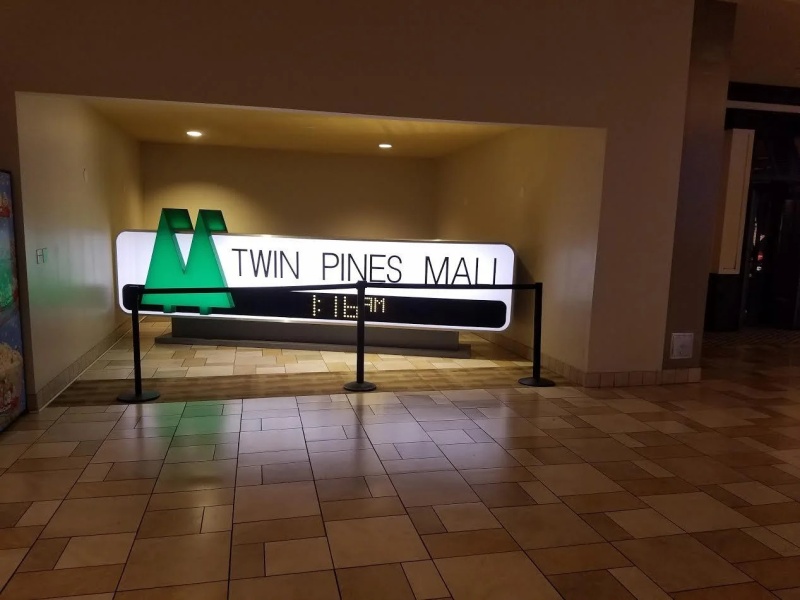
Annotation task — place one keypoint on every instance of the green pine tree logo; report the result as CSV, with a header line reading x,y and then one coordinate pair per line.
x,y
201,270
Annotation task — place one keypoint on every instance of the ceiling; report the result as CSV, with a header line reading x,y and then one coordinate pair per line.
x,y
289,130
766,44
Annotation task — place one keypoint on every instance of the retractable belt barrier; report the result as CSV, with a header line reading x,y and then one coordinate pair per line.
x,y
132,296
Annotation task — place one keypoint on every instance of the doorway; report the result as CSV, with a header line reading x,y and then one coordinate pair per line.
x,y
771,252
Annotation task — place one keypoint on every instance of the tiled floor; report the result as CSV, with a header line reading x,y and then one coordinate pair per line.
x,y
690,492
174,361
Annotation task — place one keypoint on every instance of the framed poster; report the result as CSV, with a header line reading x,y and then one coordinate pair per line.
x,y
12,372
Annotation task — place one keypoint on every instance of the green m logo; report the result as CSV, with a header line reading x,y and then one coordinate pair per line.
x,y
201,270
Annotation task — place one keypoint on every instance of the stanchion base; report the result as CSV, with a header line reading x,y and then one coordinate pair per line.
x,y
360,386
132,398
540,382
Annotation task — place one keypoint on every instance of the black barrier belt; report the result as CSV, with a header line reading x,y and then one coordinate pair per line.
x,y
132,298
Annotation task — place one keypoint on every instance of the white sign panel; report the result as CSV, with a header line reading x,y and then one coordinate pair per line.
x,y
263,261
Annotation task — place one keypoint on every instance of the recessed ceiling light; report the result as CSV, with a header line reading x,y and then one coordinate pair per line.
x,y
384,146
194,133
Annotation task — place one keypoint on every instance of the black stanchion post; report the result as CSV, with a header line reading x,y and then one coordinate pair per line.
x,y
537,380
133,296
359,385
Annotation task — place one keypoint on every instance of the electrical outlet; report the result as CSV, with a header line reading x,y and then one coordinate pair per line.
x,y
41,256
682,345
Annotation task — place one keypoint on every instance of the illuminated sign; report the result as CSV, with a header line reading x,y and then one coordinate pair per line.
x,y
180,256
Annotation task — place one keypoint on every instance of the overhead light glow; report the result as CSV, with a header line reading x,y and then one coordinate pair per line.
x,y
194,133
384,146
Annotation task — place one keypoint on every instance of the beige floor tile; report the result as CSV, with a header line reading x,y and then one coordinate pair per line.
x,y
638,584
452,436
43,555
163,523
318,434
379,486
425,580
63,583
433,488
715,418
184,477
146,469
11,513
270,441
478,456
151,410
137,449
616,423
205,439
278,530
95,516
391,433
755,492
280,423
96,550
297,556
247,560
788,531
644,522
50,450
573,559
304,586
11,452
273,458
204,425
77,432
466,517
277,501
153,422
387,582
190,558
190,454
571,480
39,513
270,370
99,489
466,543
210,497
679,562
49,464
9,561
169,373
210,370
373,541
508,428
44,485
19,537
348,463
328,418
773,541
346,488
508,575
545,526
697,512
217,518
200,591
540,493
360,508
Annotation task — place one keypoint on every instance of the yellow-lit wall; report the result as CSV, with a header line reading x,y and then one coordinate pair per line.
x,y
538,189
618,65
293,193
80,184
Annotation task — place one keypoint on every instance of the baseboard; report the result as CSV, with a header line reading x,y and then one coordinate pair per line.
x,y
49,391
597,379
